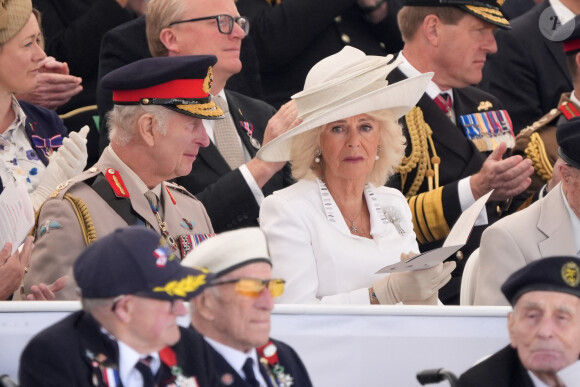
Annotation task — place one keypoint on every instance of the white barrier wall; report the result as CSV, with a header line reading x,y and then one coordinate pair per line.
x,y
340,345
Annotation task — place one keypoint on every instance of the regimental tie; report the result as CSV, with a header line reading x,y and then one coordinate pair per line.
x,y
226,137
144,367
445,103
250,376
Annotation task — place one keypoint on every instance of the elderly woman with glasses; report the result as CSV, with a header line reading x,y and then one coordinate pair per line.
x,y
331,232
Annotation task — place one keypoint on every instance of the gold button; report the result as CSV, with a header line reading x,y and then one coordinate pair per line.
x,y
145,101
338,19
459,255
345,38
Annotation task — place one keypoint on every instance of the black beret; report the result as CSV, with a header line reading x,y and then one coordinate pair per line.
x,y
568,138
135,260
180,83
486,10
554,274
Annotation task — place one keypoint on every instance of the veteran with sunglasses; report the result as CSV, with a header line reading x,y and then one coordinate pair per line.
x,y
132,291
233,313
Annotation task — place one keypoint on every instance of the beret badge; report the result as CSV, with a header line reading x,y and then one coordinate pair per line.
x,y
208,81
571,274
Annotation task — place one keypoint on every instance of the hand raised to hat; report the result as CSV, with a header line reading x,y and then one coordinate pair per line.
x,y
507,177
285,119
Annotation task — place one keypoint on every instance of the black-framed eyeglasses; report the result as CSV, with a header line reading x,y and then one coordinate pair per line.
x,y
225,23
252,287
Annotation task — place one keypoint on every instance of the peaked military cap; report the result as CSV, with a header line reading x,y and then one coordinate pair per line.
x,y
568,138
569,35
554,274
180,83
486,10
135,260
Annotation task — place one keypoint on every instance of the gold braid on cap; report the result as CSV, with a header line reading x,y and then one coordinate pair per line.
x,y
84,217
489,14
536,151
203,109
420,134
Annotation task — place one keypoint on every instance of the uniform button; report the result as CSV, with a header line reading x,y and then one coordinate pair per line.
x,y
345,38
338,19
459,255
93,169
382,45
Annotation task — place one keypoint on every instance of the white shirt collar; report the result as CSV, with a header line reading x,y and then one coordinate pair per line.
x,y
236,359
563,12
432,89
574,99
128,357
536,381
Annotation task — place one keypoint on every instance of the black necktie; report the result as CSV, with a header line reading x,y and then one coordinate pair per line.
x,y
248,369
144,367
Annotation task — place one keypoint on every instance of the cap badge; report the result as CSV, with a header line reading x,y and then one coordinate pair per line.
x,y
571,274
208,81
184,286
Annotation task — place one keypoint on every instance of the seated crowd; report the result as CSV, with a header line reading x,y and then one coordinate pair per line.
x,y
371,162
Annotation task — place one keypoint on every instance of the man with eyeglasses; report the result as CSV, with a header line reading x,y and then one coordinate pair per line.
x,y
132,290
227,177
233,313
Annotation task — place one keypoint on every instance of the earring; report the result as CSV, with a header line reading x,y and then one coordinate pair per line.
x,y
317,156
378,152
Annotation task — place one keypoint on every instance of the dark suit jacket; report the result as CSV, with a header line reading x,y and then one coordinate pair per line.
x,y
502,369
528,73
43,123
293,36
459,159
224,193
227,376
128,43
62,355
73,30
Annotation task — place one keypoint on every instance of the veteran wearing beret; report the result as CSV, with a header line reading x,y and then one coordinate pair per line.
x,y
156,133
550,226
132,289
233,313
454,127
538,141
544,327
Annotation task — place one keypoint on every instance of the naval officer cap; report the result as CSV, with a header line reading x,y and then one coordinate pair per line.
x,y
486,10
568,138
135,260
229,251
180,83
553,274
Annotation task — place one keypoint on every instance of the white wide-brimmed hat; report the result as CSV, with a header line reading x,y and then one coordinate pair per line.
x,y
343,85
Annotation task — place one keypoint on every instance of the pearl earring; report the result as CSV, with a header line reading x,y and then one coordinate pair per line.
x,y
378,152
317,156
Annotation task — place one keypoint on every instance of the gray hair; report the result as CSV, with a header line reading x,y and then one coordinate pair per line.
x,y
392,142
122,121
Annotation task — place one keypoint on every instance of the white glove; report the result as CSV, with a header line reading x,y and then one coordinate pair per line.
x,y
68,161
414,287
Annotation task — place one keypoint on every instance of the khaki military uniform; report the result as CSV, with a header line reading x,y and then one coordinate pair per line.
x,y
87,208
538,141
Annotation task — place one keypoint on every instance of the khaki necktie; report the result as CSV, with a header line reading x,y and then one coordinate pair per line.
x,y
154,201
226,137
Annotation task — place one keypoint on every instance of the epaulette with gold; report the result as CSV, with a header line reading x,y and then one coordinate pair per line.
x,y
420,134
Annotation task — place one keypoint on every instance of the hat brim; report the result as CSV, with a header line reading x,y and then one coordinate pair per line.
x,y
399,97
184,284
487,14
205,111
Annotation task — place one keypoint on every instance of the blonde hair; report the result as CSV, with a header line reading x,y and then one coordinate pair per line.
x,y
410,18
160,13
304,149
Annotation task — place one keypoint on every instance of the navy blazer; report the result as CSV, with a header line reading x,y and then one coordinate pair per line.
x,y
43,123
502,369
65,354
